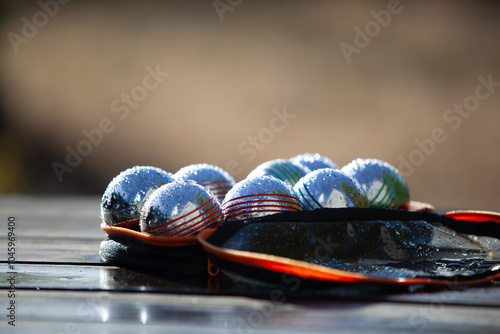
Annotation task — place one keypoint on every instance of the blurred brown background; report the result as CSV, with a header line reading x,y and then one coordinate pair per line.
x,y
233,66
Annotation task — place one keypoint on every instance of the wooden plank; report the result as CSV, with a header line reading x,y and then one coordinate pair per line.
x,y
61,249
55,294
79,277
110,278
56,312
53,229
53,216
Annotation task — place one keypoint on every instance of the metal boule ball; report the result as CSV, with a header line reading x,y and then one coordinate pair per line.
x,y
259,196
329,188
179,209
313,161
281,169
125,195
216,179
384,185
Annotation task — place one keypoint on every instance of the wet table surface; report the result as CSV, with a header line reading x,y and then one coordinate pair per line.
x,y
58,284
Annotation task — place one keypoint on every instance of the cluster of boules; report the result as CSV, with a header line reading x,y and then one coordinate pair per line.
x,y
165,204
200,196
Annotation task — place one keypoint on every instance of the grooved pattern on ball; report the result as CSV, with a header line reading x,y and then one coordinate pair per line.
x,y
329,188
281,169
217,180
384,185
259,196
180,208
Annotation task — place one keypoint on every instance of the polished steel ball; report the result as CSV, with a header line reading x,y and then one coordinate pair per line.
x,y
179,209
126,193
282,169
329,188
217,180
259,196
313,161
384,185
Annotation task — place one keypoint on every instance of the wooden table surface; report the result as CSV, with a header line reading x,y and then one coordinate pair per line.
x,y
59,285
